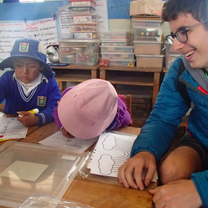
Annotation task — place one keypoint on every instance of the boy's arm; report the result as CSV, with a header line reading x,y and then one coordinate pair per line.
x,y
157,133
54,95
4,85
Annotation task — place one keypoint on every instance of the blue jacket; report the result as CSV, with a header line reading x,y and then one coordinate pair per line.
x,y
158,132
44,97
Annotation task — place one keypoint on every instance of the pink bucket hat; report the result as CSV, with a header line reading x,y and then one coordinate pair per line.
x,y
88,109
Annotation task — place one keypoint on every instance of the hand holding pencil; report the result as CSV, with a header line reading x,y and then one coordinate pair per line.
x,y
28,118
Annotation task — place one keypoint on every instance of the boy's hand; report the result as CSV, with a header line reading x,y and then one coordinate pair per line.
x,y
28,119
66,133
180,194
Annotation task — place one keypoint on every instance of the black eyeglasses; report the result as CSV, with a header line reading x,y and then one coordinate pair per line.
x,y
181,34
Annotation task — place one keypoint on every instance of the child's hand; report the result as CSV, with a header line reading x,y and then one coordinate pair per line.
x,y
28,119
66,133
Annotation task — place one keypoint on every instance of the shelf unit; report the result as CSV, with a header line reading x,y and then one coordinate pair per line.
x,y
74,73
149,77
142,83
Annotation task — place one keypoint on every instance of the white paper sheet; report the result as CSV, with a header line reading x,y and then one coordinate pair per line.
x,y
11,128
111,151
24,170
73,145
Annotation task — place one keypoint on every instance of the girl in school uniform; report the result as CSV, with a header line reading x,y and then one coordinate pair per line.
x,y
90,108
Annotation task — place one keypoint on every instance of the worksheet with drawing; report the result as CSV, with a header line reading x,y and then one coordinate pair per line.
x,y
11,128
110,152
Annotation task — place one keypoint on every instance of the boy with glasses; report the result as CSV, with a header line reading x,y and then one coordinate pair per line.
x,y
184,171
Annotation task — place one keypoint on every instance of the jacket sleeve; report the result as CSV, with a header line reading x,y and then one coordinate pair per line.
x,y
157,133
4,85
54,95
122,117
200,180
55,112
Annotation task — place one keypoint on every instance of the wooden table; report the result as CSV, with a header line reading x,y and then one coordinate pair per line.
x,y
98,191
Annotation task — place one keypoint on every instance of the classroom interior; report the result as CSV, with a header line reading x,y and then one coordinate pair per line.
x,y
139,84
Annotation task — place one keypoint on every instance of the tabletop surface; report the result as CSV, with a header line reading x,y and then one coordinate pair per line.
x,y
97,191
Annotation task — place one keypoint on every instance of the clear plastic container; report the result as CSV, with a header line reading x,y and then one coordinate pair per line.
x,y
170,58
117,55
85,35
82,3
28,169
148,34
84,28
121,62
85,52
145,23
84,18
115,35
170,55
115,42
117,49
149,61
147,47
84,10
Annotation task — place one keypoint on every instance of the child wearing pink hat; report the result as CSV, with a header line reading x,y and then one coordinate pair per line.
x,y
89,108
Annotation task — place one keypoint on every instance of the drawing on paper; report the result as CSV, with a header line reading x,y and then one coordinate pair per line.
x,y
111,151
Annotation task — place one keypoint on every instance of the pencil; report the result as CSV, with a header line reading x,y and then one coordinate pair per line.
x,y
2,140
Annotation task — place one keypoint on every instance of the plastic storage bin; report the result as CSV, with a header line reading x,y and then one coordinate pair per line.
x,y
27,169
145,23
84,28
117,49
121,62
115,35
169,59
84,18
147,47
117,55
170,55
149,61
84,10
85,35
124,42
82,3
84,52
148,34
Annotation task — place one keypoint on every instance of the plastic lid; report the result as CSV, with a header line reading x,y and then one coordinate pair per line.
x,y
81,7
115,40
119,53
117,46
152,42
151,56
78,41
27,169
82,0
145,20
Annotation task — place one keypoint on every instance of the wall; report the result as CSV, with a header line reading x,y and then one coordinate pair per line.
x,y
118,11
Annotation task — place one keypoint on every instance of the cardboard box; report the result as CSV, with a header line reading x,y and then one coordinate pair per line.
x,y
149,61
153,7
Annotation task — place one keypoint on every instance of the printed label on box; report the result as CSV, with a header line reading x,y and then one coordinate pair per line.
x,y
84,36
82,19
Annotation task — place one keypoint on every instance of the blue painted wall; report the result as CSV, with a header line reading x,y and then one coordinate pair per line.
x,y
117,9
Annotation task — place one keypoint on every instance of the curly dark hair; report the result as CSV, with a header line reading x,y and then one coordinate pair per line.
x,y
197,8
